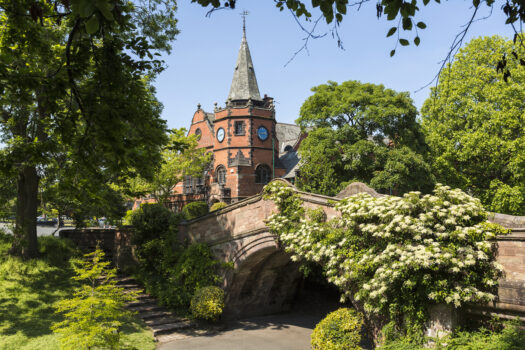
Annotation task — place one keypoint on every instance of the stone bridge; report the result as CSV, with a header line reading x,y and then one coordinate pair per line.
x,y
265,280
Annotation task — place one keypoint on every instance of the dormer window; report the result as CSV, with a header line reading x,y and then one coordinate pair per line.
x,y
239,128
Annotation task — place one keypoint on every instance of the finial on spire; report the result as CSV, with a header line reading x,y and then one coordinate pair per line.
x,y
244,14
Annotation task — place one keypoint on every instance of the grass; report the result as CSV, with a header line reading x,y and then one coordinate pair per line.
x,y
28,290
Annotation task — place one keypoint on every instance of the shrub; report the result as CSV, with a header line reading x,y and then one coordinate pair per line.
x,y
152,221
93,316
179,273
194,210
57,251
340,330
218,205
396,255
207,303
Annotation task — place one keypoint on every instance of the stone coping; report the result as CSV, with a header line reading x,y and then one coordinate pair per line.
x,y
305,196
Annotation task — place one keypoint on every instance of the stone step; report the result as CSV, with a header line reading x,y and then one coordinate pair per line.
x,y
163,320
130,286
153,314
126,280
140,291
143,300
171,327
145,308
143,296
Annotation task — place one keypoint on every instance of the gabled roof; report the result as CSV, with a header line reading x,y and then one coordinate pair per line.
x,y
244,84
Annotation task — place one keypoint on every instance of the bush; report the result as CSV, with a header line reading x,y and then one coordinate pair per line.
x,y
194,210
179,273
207,303
218,205
152,221
396,255
340,330
94,314
57,251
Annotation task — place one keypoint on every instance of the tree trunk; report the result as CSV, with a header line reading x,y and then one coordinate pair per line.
x,y
25,243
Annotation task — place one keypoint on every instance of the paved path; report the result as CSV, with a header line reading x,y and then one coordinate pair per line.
x,y
290,331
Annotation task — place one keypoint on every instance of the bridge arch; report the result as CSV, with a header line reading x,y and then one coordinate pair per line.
x,y
264,280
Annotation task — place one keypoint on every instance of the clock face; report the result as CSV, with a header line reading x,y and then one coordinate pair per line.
x,y
220,134
262,133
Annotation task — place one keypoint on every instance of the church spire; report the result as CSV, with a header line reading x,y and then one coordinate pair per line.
x,y
244,84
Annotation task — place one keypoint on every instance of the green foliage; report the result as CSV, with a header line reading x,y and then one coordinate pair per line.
x,y
180,159
194,210
351,123
474,126
57,251
510,337
30,288
403,171
152,221
316,215
339,330
395,256
505,199
61,113
218,205
207,303
179,272
95,312
169,271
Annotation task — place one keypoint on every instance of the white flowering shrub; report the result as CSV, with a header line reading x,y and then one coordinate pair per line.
x,y
393,256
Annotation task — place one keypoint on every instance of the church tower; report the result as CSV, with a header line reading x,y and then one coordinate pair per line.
x,y
244,138
245,146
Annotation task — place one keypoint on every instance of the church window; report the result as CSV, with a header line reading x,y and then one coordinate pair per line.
x,y
263,174
198,132
239,128
220,175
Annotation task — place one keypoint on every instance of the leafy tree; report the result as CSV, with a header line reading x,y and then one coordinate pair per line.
x,y
180,158
474,122
361,132
404,170
96,311
71,70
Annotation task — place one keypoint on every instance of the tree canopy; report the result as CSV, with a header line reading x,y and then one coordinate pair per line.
x,y
180,158
475,126
76,96
361,132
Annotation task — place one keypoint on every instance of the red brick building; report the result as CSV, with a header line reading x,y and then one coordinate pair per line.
x,y
249,146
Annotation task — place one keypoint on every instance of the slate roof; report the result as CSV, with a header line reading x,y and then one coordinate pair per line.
x,y
244,84
288,135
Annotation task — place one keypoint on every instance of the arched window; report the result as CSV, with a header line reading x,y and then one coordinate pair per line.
x,y
220,174
263,174
198,133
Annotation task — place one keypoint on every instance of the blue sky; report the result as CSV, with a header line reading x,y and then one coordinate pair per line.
x,y
200,67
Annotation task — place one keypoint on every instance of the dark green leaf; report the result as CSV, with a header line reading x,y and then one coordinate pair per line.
x,y
404,42
421,25
391,31
392,53
417,40
92,25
